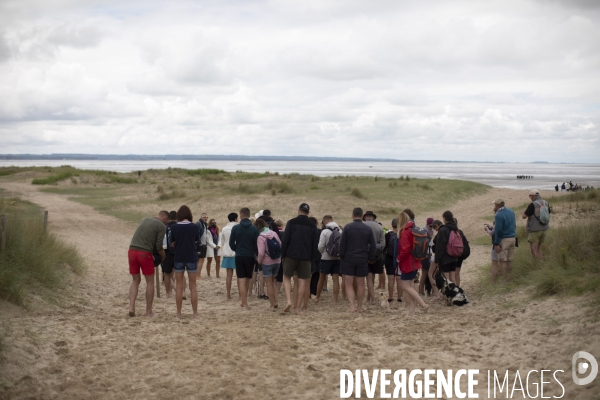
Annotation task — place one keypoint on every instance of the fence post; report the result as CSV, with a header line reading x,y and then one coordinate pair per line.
x,y
3,228
45,221
157,282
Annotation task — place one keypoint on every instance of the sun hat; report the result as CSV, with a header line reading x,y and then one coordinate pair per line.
x,y
534,192
369,213
498,201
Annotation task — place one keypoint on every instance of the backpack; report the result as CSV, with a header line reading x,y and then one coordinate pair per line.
x,y
169,237
390,244
543,212
420,244
201,228
455,246
273,248
333,243
466,248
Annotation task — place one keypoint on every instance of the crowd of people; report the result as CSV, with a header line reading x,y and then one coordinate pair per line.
x,y
302,254
571,187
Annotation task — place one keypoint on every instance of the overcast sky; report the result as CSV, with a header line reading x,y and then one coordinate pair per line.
x,y
455,80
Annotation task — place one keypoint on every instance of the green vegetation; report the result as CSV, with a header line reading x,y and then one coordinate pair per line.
x,y
570,265
53,179
33,261
356,192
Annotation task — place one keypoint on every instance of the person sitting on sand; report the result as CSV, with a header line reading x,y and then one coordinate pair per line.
x,y
407,264
186,238
148,236
357,247
243,242
228,261
298,248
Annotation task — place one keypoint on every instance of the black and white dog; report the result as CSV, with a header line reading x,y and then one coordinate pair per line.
x,y
454,294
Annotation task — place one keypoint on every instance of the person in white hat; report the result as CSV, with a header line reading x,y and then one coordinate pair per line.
x,y
536,227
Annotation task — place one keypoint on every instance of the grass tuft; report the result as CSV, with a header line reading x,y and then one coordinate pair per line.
x,y
356,192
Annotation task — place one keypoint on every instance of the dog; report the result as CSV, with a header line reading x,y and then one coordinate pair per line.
x,y
454,294
383,302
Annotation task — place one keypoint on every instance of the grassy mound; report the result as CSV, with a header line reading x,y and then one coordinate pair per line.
x,y
570,265
32,261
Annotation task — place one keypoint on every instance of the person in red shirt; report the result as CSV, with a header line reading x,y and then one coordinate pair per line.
x,y
407,264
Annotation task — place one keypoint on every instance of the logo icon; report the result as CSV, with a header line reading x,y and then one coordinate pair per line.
x,y
581,367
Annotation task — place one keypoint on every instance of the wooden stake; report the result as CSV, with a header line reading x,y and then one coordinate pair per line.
x,y
45,221
3,234
157,282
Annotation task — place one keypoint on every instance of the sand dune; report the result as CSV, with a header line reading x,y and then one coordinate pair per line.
x,y
89,348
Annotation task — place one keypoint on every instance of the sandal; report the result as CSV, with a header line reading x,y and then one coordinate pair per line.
x,y
390,301
399,300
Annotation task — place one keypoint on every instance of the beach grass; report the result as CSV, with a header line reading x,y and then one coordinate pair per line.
x,y
570,266
33,261
219,193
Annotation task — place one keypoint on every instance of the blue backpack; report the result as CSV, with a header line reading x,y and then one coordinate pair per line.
x,y
273,248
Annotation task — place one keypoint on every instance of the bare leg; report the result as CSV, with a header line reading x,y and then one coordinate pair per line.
x,y
217,265
179,288
167,280
336,287
344,295
381,284
295,279
360,293
370,287
208,263
287,285
457,277
133,292
322,280
252,283
407,286
494,271
504,270
200,264
301,290
149,294
391,283
436,292
193,293
270,282
184,297
261,283
243,287
422,284
228,282
399,287
349,284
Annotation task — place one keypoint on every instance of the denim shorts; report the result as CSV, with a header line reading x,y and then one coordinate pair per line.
x,y
270,270
181,267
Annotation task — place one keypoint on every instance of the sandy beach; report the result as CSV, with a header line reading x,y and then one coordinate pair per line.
x,y
88,348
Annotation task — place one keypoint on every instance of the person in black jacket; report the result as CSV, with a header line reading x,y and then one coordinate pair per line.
x,y
446,262
357,247
298,248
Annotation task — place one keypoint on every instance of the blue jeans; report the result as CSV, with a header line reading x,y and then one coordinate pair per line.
x,y
181,267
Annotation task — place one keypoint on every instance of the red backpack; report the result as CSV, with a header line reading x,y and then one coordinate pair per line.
x,y
455,246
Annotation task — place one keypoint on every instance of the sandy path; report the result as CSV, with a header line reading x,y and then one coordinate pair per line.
x,y
90,349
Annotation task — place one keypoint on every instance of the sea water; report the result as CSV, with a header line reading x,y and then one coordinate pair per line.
x,y
544,176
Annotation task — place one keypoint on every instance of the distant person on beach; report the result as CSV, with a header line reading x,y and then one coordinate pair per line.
x,y
446,262
268,258
148,237
228,260
167,263
212,247
357,247
330,263
243,242
376,262
202,226
299,248
505,228
556,187
186,238
535,227
407,264
563,187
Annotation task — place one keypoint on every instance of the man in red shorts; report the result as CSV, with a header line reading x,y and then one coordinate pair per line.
x,y
148,237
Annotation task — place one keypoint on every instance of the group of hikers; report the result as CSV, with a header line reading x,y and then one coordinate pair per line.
x,y
306,252
570,187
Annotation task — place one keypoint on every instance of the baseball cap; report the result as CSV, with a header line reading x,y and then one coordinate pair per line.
x,y
304,207
534,192
429,221
498,201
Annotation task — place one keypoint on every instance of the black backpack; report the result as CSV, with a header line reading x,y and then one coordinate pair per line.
x,y
333,243
466,248
273,248
169,235
389,244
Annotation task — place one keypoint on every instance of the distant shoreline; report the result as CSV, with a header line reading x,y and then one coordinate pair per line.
x,y
235,157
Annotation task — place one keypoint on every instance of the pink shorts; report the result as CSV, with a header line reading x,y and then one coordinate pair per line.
x,y
140,260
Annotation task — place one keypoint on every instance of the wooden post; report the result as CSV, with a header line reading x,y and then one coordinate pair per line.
x,y
45,221
3,234
157,282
